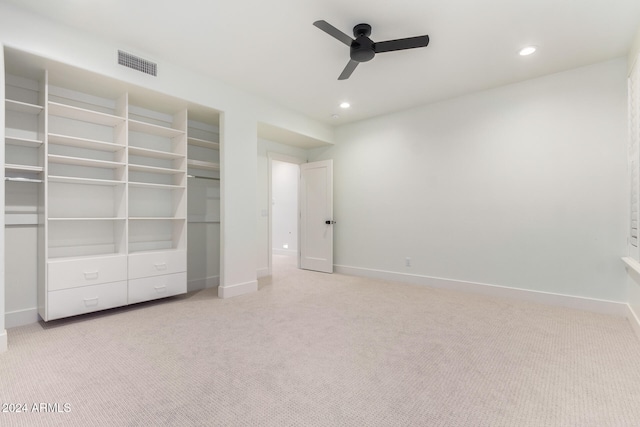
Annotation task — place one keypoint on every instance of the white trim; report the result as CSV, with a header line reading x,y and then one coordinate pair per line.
x,y
17,318
272,155
207,282
3,341
238,289
633,320
634,53
632,263
633,270
263,272
212,282
588,304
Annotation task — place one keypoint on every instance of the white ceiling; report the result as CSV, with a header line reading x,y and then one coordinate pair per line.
x,y
272,49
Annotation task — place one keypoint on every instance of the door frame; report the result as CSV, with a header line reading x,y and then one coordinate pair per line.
x,y
271,156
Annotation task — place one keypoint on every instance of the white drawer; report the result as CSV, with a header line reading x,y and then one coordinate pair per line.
x,y
157,263
85,271
70,302
150,288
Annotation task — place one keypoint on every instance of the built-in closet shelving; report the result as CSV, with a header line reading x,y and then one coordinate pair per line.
x,y
203,150
102,172
157,156
24,130
85,188
204,200
25,99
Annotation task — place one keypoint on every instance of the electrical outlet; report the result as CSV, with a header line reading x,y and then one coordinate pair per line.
x,y
407,262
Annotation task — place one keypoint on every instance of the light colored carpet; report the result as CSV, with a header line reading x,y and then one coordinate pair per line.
x,y
311,349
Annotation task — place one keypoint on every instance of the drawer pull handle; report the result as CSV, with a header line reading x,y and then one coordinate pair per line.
x,y
91,275
91,302
160,289
161,266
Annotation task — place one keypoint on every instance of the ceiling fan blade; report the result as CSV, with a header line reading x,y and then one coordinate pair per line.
x,y
348,70
400,44
333,32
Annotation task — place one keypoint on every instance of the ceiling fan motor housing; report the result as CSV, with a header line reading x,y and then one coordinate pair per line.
x,y
362,47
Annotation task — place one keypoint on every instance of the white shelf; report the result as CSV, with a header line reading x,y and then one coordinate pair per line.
x,y
22,142
22,107
154,251
154,169
203,143
79,161
84,181
91,144
22,168
146,152
138,126
82,114
85,257
66,258
155,218
199,164
155,186
144,247
198,221
20,219
88,219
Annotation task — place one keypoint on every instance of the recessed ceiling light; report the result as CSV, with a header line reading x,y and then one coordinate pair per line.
x,y
527,50
345,105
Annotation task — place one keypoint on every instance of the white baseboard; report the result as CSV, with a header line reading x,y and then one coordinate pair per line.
x,y
238,289
14,319
587,304
206,283
3,341
263,272
634,320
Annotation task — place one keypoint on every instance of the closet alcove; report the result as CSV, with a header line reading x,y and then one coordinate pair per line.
x,y
112,192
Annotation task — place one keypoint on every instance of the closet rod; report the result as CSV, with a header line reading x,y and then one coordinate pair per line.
x,y
203,177
18,179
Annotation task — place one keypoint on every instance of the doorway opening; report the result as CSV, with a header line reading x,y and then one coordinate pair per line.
x,y
285,214
300,214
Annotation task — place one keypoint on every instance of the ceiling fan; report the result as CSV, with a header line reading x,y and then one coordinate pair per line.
x,y
363,49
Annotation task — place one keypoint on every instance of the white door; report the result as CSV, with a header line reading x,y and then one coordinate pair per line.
x,y
316,216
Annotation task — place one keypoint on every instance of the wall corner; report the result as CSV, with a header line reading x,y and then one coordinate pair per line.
x,y
4,346
634,52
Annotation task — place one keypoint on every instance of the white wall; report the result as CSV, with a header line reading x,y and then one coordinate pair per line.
x,y
633,279
284,207
268,148
522,186
3,333
241,112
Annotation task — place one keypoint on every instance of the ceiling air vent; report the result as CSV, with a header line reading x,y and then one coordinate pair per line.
x,y
137,63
